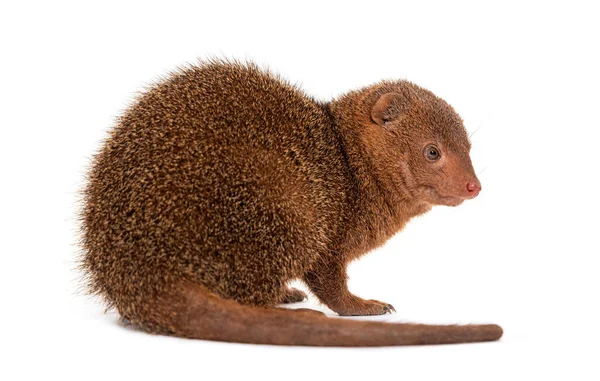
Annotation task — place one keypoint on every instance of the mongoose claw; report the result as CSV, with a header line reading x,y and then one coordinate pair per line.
x,y
389,308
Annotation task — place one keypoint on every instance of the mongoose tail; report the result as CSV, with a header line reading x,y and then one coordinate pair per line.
x,y
209,317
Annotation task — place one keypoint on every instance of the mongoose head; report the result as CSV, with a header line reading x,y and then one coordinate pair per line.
x,y
418,144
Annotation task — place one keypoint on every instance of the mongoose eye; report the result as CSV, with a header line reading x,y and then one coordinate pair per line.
x,y
432,153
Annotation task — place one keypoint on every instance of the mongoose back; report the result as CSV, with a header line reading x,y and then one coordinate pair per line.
x,y
223,183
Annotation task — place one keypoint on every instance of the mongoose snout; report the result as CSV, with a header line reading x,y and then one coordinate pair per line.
x,y
473,188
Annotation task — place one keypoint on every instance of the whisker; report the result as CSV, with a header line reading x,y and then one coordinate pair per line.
x,y
477,129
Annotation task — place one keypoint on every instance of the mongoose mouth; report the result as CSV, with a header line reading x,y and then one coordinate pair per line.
x,y
437,198
450,200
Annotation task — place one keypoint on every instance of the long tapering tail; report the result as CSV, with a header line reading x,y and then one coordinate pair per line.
x,y
207,316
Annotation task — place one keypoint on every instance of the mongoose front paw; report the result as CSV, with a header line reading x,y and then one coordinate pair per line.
x,y
365,308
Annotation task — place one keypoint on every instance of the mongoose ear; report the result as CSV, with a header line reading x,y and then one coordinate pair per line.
x,y
387,108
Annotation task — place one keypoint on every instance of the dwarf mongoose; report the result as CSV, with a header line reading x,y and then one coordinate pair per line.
x,y
223,182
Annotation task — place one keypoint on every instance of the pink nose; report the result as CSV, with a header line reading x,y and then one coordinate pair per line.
x,y
473,189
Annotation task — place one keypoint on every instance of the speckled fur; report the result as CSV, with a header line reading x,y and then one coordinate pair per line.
x,y
223,183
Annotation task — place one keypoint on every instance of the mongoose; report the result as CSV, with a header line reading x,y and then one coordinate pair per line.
x,y
223,183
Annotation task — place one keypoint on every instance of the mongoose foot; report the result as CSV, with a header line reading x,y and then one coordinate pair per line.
x,y
307,311
293,295
362,307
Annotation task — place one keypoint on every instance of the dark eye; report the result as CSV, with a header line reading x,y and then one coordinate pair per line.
x,y
432,153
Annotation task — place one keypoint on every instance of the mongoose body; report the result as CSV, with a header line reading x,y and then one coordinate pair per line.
x,y
223,183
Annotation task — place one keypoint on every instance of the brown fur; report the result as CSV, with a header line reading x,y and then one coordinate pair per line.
x,y
223,183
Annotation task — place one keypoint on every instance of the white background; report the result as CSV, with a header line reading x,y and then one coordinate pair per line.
x,y
524,77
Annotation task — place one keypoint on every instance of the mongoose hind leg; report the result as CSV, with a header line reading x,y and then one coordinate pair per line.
x,y
306,311
293,295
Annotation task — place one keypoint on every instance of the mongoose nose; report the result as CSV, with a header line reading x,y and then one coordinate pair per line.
x,y
473,189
